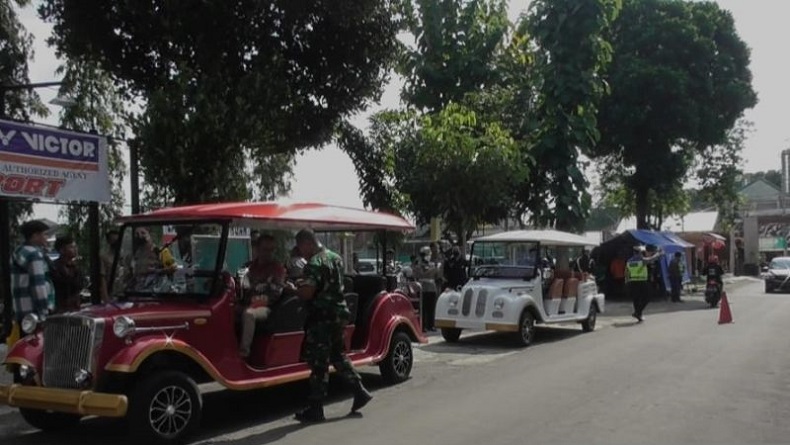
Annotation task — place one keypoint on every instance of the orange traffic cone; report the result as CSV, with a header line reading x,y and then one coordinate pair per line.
x,y
725,316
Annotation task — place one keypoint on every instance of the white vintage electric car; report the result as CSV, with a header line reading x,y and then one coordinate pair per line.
x,y
519,279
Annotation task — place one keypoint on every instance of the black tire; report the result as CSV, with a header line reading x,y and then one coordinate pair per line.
x,y
396,366
171,393
526,329
49,421
588,325
451,335
768,290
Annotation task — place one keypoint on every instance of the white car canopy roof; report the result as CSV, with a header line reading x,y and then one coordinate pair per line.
x,y
549,237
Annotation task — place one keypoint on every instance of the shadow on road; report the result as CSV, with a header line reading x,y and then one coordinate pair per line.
x,y
491,343
224,413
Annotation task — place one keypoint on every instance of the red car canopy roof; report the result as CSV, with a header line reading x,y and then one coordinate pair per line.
x,y
319,217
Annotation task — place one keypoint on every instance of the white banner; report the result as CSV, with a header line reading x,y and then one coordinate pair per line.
x,y
49,164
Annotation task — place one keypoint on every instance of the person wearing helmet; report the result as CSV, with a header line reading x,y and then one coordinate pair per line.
x,y
714,271
637,278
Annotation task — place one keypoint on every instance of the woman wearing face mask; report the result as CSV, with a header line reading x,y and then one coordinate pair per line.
x,y
427,274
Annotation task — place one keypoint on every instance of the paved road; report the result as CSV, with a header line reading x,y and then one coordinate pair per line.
x,y
677,378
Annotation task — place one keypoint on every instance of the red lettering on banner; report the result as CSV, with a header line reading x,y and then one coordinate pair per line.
x,y
30,185
35,186
14,184
53,187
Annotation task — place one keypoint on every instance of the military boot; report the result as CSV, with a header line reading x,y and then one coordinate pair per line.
x,y
313,413
361,396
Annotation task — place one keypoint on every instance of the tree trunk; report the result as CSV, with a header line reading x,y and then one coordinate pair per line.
x,y
642,209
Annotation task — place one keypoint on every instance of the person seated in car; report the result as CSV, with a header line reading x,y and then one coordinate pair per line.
x,y
267,281
147,265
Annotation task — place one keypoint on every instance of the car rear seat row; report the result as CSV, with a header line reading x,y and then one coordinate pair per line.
x,y
563,292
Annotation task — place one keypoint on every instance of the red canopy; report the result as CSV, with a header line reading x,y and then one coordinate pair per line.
x,y
319,217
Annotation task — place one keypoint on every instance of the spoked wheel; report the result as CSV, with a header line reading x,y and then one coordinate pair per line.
x,y
396,366
166,407
526,329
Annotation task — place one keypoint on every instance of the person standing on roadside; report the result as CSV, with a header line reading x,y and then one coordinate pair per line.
x,y
31,287
68,279
676,276
637,278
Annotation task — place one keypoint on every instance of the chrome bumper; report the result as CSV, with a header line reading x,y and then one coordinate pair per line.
x,y
86,403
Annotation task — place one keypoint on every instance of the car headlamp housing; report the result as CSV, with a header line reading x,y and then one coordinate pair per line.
x,y
123,326
29,323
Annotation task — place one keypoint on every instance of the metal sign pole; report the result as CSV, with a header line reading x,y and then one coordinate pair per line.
x,y
5,248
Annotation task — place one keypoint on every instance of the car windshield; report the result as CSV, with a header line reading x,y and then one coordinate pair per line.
x,y
780,263
504,259
162,259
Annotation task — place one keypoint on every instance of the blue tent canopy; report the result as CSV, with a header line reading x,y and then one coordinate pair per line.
x,y
670,244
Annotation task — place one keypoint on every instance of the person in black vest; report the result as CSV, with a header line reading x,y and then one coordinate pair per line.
x,y
455,269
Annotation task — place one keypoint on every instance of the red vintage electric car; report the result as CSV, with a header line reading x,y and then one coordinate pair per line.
x,y
178,283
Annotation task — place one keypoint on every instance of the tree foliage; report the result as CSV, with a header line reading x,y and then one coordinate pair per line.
x,y
570,55
719,173
679,81
96,107
228,81
16,50
452,164
457,43
459,167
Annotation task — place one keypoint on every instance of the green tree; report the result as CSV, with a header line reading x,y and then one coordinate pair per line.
x,y
373,156
16,50
459,167
570,56
97,107
457,42
719,173
679,81
227,83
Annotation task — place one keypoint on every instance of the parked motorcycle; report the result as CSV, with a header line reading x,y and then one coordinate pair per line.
x,y
712,293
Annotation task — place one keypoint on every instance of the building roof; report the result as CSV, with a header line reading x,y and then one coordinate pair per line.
x,y
691,222
761,190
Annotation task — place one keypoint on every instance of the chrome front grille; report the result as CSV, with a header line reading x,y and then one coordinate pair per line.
x,y
69,344
480,307
466,305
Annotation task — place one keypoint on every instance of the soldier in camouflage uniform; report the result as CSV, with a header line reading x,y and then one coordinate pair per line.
x,y
327,316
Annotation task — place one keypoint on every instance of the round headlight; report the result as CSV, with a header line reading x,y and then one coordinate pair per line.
x,y
499,303
453,300
123,326
29,323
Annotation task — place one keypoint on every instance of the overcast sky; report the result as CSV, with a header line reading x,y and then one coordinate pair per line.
x,y
760,23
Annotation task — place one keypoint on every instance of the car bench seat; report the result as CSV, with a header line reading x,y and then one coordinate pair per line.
x,y
551,303
369,289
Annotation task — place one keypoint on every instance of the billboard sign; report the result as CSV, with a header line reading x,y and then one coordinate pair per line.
x,y
52,165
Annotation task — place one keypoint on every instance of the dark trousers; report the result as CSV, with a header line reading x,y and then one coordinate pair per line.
x,y
640,294
677,285
428,310
323,344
